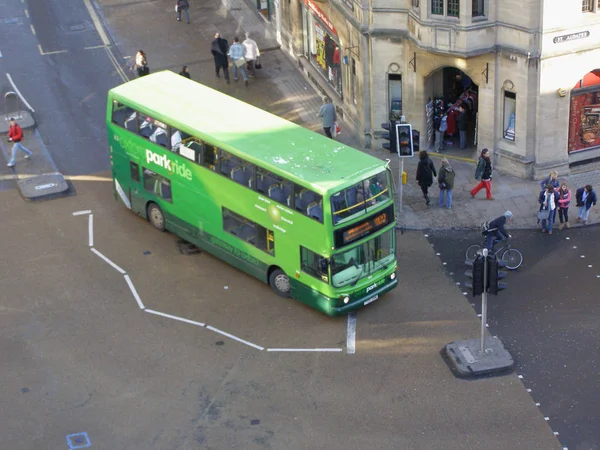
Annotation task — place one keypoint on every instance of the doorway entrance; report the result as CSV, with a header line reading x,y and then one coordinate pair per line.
x,y
452,106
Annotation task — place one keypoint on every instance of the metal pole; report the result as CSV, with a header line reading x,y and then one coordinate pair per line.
x,y
484,300
400,182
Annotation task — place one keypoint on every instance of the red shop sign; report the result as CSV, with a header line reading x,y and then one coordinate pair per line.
x,y
321,15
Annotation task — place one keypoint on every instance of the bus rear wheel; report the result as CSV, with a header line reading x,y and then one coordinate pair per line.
x,y
156,216
280,283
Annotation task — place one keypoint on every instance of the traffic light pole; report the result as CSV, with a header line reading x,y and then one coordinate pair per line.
x,y
400,187
484,299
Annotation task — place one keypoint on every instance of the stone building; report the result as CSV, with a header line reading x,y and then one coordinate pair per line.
x,y
526,71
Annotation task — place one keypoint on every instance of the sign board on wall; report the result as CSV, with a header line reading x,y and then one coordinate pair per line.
x,y
571,37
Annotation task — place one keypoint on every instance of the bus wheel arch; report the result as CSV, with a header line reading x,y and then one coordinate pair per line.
x,y
155,216
279,282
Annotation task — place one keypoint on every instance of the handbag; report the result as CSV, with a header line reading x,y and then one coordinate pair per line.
x,y
258,65
240,62
543,214
443,185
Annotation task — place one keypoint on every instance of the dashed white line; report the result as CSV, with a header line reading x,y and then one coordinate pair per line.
x,y
235,338
304,349
81,213
43,53
117,268
27,13
14,86
351,334
94,47
91,230
169,316
134,292
32,29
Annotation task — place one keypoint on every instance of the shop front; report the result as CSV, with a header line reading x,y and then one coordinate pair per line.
x,y
322,45
584,114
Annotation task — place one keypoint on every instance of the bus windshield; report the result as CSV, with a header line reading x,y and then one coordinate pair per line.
x,y
361,261
357,200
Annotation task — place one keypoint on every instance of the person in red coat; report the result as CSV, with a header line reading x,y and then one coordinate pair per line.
x,y
15,134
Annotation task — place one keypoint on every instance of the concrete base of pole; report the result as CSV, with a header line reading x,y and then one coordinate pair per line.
x,y
466,360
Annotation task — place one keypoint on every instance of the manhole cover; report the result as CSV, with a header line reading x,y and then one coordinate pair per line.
x,y
76,27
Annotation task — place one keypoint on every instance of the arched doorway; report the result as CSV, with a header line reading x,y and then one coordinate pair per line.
x,y
584,113
450,91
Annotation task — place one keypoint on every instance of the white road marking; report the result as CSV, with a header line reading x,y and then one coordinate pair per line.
x,y
134,292
235,338
94,47
304,349
32,29
169,316
0,54
81,213
14,86
27,13
117,268
43,53
91,230
351,334
97,23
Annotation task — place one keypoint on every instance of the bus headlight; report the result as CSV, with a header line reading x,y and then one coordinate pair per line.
x,y
393,276
346,299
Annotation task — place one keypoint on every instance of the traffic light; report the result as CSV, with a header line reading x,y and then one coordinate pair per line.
x,y
390,136
495,275
405,140
476,274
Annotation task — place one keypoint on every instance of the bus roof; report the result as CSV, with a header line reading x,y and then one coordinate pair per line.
x,y
260,137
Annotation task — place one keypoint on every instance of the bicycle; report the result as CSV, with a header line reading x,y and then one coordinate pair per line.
x,y
509,255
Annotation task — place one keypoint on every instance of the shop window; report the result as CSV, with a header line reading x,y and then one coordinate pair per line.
x,y
588,5
478,8
324,52
510,109
453,8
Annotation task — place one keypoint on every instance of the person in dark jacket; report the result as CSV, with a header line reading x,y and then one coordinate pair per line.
x,y
183,5
219,49
483,173
496,231
425,173
586,198
185,72
461,123
550,179
446,183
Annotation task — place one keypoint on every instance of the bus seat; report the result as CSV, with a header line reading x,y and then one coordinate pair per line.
x,y
289,200
246,232
146,131
276,193
351,196
315,211
165,191
161,139
307,196
238,175
233,229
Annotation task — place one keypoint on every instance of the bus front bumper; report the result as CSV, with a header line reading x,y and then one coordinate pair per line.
x,y
364,300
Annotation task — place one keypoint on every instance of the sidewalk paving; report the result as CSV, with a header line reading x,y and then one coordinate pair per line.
x,y
280,88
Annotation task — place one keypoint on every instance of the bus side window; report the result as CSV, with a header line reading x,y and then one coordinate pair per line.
x,y
159,186
313,264
209,156
121,114
249,231
135,171
159,134
191,148
176,139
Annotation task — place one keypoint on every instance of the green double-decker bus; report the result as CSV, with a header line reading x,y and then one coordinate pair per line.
x,y
306,214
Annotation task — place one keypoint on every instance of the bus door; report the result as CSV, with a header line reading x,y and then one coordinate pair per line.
x,y
136,190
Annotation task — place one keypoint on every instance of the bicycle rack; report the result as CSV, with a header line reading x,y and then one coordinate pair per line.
x,y
11,97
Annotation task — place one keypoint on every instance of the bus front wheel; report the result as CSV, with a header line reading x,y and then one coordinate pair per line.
x,y
156,217
280,283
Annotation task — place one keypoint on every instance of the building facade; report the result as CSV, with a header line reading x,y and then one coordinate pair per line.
x,y
527,72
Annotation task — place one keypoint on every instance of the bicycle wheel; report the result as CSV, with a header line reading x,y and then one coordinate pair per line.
x,y
472,251
513,258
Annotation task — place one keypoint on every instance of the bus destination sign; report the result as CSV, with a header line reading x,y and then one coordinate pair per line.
x,y
357,231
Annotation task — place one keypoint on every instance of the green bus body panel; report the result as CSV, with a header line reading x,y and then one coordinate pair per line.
x,y
199,194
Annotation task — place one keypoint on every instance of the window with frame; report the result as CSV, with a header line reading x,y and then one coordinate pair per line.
x,y
248,231
135,171
453,8
478,8
588,5
313,264
510,110
158,185
437,7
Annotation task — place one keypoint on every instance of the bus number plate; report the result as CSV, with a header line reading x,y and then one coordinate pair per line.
x,y
371,300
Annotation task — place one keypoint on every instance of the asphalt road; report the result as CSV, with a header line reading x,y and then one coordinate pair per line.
x,y
549,320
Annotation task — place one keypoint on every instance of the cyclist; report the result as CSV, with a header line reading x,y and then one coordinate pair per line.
x,y
496,231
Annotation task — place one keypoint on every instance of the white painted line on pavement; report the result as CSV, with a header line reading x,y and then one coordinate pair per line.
x,y
134,292
235,338
81,213
14,86
117,268
351,334
304,349
94,47
97,23
0,54
27,13
91,230
169,316
43,53
32,29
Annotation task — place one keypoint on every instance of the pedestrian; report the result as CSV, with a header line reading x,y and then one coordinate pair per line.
x,y
141,64
425,173
328,115
552,179
252,54
586,198
548,204
446,183
185,72
461,123
15,134
182,5
564,199
236,53
483,174
440,125
219,49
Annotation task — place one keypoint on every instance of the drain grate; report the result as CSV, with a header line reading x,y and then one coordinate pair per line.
x,y
77,27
